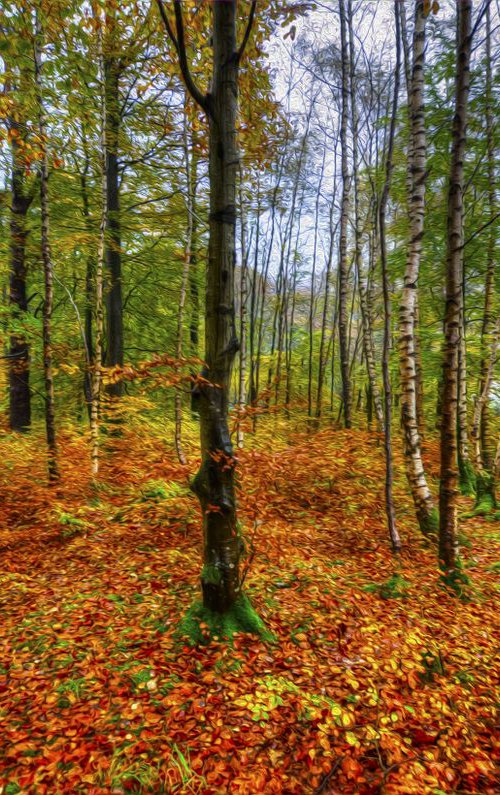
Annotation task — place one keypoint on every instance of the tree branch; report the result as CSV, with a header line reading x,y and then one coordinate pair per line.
x,y
243,44
167,24
180,46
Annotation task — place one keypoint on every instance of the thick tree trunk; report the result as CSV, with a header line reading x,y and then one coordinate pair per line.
x,y
114,296
50,424
424,503
19,362
343,266
448,494
214,483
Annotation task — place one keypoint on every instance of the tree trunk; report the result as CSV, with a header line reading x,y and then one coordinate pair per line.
x,y
114,297
487,444
99,313
485,480
343,266
323,354
89,285
243,315
312,296
214,483
368,346
19,361
50,425
194,276
466,475
252,392
422,497
389,500
182,298
448,493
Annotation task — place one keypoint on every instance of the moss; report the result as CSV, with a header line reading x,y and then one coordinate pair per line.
x,y
201,625
485,491
457,580
396,587
159,490
429,523
466,478
211,574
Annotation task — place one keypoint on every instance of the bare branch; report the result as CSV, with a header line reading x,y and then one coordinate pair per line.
x,y
167,24
243,44
180,46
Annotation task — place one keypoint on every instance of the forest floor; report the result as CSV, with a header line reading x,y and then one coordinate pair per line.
x,y
379,680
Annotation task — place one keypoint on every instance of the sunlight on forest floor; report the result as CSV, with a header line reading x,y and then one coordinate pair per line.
x,y
379,679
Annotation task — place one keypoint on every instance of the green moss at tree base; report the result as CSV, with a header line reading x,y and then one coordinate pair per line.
x,y
429,523
485,495
457,580
201,625
467,478
211,574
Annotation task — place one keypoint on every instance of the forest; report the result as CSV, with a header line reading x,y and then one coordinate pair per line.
x,y
249,397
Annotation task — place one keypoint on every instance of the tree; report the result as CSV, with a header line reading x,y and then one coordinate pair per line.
x,y
215,481
422,497
448,492
368,346
19,358
343,265
382,208
48,270
483,436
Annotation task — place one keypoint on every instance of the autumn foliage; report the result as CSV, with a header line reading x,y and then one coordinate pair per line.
x,y
378,680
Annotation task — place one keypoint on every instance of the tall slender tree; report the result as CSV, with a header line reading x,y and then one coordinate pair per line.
x,y
422,497
368,345
485,442
344,218
48,270
19,355
382,208
215,481
448,493
96,361
113,69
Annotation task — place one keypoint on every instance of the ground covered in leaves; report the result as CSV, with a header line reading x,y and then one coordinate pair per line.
x,y
379,679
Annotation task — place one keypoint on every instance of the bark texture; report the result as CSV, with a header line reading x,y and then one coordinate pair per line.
x,y
343,265
19,363
215,482
422,497
448,493
50,420
368,344
99,308
389,500
113,257
487,445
